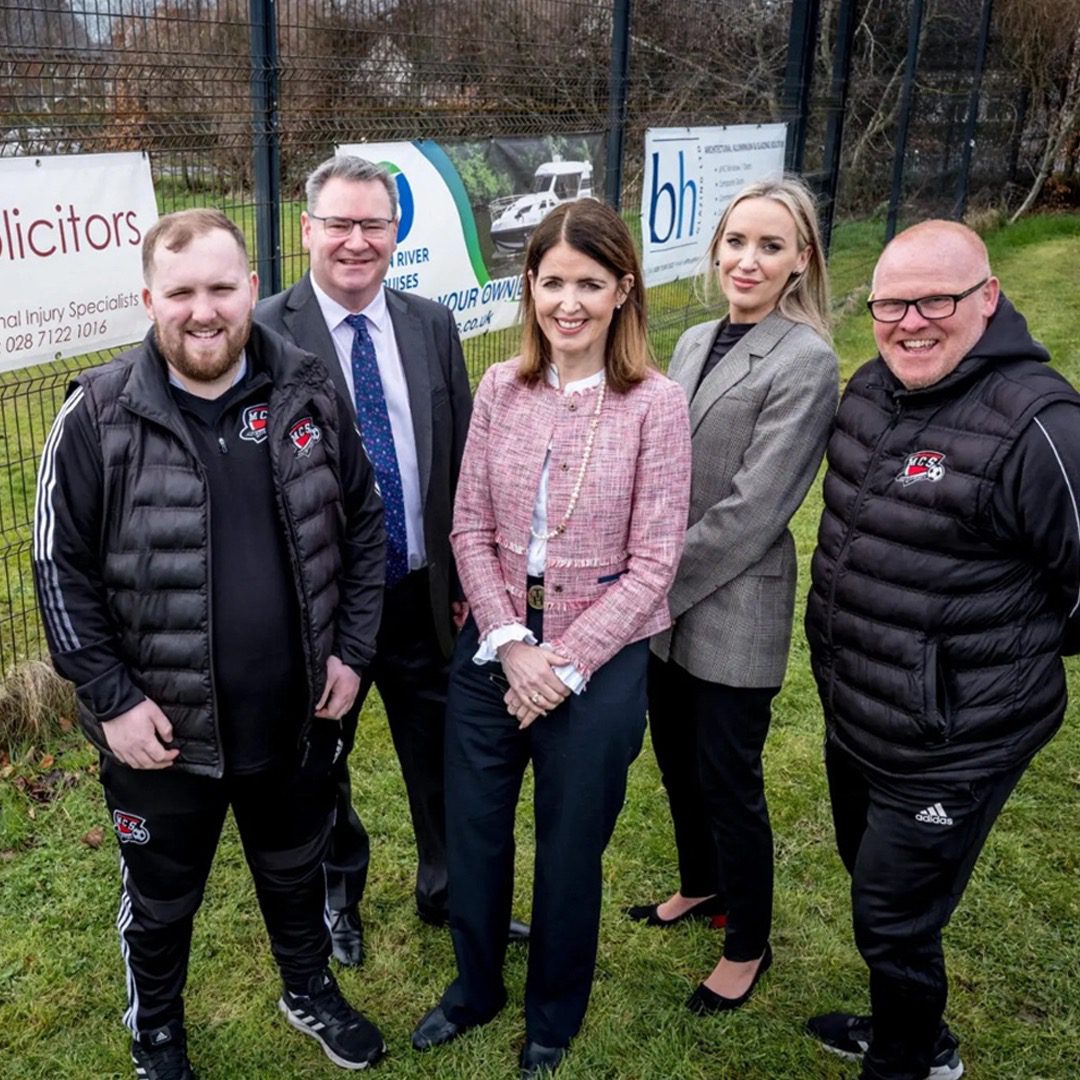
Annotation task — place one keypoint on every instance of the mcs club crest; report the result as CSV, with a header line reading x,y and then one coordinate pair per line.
x,y
304,435
253,428
922,465
130,828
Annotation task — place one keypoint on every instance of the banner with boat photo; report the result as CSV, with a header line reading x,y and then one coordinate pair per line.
x,y
468,208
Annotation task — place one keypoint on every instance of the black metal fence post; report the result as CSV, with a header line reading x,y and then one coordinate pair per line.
x,y
907,95
834,130
798,78
972,113
266,146
618,88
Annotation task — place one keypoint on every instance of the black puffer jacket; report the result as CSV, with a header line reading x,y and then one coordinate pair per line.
x,y
122,540
935,630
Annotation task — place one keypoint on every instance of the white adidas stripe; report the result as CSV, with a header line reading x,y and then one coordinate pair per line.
x,y
52,598
124,919
1072,497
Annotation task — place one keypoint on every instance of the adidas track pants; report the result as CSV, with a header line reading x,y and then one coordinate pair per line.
x,y
168,823
909,844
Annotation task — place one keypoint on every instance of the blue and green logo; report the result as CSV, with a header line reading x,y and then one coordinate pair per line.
x,y
406,203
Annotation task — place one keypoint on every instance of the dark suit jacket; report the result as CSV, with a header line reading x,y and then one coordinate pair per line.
x,y
439,396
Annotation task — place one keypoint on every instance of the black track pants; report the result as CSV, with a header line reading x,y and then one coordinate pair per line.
x,y
910,844
168,823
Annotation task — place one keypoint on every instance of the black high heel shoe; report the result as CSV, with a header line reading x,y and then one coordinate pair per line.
x,y
704,1001
710,909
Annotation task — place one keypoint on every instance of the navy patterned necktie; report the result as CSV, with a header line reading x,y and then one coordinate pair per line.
x,y
374,420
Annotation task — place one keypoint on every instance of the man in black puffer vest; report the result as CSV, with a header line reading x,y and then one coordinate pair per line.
x,y
944,582
208,554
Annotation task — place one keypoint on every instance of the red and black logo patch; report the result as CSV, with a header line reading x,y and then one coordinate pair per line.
x,y
254,425
304,435
130,828
926,465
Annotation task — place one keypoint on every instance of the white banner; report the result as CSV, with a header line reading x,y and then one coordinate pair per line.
x,y
690,176
438,248
71,231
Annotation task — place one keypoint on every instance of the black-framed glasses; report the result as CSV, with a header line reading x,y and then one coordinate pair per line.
x,y
940,306
374,228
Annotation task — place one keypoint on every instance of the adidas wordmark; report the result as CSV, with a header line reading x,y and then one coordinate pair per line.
x,y
934,815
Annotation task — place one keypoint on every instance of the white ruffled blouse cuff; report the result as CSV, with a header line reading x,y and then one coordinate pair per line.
x,y
489,647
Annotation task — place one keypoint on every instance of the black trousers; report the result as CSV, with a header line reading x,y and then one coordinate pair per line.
x,y
708,740
410,673
580,754
169,823
909,844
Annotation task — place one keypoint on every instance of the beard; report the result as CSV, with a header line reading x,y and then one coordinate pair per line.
x,y
206,364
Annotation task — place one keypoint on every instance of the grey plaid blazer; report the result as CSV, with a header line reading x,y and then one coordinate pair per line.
x,y
758,425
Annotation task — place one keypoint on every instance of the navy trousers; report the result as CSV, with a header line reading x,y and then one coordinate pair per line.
x,y
580,753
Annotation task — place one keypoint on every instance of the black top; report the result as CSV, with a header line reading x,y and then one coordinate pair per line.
x,y
256,628
730,335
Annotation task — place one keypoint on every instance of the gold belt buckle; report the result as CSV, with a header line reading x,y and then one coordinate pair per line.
x,y
535,597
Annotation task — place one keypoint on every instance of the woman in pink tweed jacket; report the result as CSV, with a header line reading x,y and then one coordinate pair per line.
x,y
569,522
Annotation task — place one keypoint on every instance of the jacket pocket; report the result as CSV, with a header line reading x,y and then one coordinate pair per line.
x,y
936,722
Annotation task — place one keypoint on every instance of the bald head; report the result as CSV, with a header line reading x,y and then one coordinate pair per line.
x,y
937,242
933,259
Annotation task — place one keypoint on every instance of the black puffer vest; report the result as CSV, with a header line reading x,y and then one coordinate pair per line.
x,y
156,566
935,645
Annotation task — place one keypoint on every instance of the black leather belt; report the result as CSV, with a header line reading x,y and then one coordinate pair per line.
x,y
534,595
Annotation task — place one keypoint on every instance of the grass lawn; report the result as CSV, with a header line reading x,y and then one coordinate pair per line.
x,y
1013,948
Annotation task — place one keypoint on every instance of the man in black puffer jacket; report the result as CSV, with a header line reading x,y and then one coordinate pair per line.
x,y
208,554
945,578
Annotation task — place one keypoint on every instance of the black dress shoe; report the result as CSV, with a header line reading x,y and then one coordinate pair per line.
x,y
347,937
435,1029
538,1060
703,1000
518,931
711,909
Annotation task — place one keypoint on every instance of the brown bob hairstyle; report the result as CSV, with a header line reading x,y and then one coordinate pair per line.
x,y
599,233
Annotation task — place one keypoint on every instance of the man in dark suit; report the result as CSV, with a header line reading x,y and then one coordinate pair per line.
x,y
398,358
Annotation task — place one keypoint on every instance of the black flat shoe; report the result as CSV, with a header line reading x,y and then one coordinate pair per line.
x,y
710,909
436,1029
704,1001
538,1061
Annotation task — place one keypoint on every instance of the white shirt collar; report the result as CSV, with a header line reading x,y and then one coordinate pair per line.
x,y
578,385
376,312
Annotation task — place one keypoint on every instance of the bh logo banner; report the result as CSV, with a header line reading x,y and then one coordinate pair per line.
x,y
690,176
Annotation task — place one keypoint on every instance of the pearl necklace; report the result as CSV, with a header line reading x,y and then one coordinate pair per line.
x,y
593,424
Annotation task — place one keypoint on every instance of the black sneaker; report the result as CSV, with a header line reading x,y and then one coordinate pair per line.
x,y
161,1054
849,1036
349,1039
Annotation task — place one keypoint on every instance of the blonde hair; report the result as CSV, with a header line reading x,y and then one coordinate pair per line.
x,y
598,232
805,297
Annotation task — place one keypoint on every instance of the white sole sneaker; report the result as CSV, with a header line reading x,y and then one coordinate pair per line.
x,y
951,1070
298,1022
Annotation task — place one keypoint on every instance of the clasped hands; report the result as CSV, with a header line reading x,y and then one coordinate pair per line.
x,y
535,689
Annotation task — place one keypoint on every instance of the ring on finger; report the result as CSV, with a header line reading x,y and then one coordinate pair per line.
x,y
534,697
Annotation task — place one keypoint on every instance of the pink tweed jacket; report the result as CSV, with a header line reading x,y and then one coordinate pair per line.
x,y
608,575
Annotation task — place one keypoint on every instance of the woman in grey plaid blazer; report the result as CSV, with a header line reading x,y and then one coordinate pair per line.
x,y
762,385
